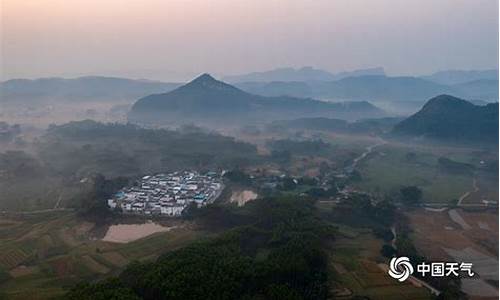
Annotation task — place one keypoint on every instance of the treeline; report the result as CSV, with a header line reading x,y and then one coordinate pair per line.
x,y
123,149
361,210
92,204
377,126
288,147
18,164
277,251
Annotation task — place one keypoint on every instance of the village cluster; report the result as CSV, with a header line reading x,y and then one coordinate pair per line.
x,y
168,194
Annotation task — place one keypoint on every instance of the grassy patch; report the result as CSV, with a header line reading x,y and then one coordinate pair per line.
x,y
392,167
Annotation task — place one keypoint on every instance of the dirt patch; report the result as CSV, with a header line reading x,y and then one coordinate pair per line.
x,y
124,233
242,197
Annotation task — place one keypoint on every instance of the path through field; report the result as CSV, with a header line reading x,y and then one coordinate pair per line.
x,y
467,194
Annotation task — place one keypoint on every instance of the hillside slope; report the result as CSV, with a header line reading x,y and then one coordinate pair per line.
x,y
207,99
447,118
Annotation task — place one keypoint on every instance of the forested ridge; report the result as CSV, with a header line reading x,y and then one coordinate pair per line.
x,y
274,248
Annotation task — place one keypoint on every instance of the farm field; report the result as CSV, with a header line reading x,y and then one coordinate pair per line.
x,y
44,254
461,235
392,166
354,262
485,190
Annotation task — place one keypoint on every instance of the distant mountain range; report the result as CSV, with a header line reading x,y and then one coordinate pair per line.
x,y
79,89
452,77
305,74
382,88
375,88
208,100
450,119
407,94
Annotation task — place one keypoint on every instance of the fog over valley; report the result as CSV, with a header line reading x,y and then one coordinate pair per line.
x,y
237,150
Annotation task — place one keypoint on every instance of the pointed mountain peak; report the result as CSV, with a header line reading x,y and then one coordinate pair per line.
x,y
207,82
205,77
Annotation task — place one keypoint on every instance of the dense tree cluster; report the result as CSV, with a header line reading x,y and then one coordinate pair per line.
x,y
411,195
123,149
305,147
277,252
17,164
93,204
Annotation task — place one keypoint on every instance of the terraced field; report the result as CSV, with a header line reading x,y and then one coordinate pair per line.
x,y
354,263
42,255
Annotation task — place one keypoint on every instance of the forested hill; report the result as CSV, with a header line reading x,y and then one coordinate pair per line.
x,y
450,119
205,98
128,150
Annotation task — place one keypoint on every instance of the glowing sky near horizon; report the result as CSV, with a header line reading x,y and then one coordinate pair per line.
x,y
172,39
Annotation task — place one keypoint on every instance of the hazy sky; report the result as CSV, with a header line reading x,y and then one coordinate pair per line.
x,y
153,38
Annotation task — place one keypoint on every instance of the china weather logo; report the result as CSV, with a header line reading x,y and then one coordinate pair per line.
x,y
400,268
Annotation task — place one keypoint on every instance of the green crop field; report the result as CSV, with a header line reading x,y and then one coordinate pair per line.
x,y
355,267
391,167
44,254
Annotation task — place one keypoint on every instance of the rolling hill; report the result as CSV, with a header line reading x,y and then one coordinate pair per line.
x,y
207,99
450,119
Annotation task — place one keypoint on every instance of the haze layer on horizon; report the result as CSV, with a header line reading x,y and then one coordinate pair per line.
x,y
175,39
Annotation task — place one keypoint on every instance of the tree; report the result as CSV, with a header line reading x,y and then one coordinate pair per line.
x,y
411,195
288,184
388,251
237,176
385,212
383,233
94,203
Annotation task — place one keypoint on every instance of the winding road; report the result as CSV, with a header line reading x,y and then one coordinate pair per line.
x,y
368,150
